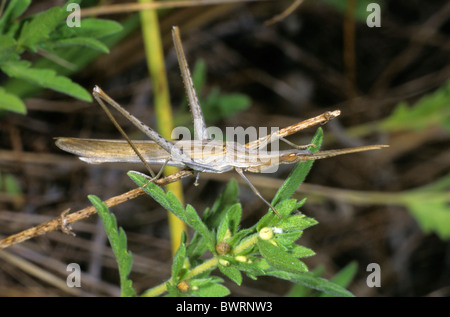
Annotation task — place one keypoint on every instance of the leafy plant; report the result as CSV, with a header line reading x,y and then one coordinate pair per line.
x,y
267,248
48,34
431,110
118,241
428,204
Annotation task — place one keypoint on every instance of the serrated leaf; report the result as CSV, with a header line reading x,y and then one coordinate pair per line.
x,y
118,241
45,78
280,259
11,102
39,27
232,273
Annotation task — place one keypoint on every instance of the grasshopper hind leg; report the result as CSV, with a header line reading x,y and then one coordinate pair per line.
x,y
253,188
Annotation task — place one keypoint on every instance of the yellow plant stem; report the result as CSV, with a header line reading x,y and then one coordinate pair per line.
x,y
155,61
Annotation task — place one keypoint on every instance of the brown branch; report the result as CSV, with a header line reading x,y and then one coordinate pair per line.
x,y
133,7
61,222
294,5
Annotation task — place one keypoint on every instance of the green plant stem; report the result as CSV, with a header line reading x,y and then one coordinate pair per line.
x,y
245,245
205,266
155,61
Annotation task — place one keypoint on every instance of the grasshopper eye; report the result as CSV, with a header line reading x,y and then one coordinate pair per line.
x,y
289,157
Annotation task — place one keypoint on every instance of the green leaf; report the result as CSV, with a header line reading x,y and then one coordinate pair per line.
x,y
230,222
199,75
45,78
13,10
298,174
80,57
430,206
11,102
285,240
166,200
297,222
193,220
212,218
302,290
196,247
343,277
431,110
311,281
97,28
83,42
251,269
210,290
300,251
179,259
280,259
231,104
7,48
284,208
118,241
39,27
232,273
10,185
432,216
173,290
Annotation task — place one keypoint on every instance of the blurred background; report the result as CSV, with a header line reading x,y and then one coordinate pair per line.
x,y
391,84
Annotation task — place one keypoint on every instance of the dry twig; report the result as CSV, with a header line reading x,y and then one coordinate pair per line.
x,y
61,222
